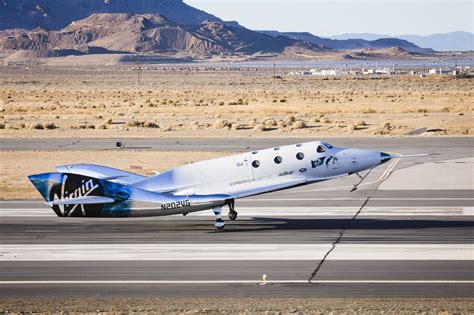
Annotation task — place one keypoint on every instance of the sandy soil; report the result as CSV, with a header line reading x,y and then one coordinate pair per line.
x,y
16,166
239,306
104,101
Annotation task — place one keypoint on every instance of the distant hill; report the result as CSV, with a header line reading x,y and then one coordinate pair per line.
x,y
385,53
454,41
131,33
351,44
57,14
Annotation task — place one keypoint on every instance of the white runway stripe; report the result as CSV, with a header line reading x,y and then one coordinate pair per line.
x,y
288,211
354,199
21,201
223,252
296,199
348,211
238,282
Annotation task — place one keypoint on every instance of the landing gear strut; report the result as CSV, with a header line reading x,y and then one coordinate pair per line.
x,y
232,212
361,180
218,213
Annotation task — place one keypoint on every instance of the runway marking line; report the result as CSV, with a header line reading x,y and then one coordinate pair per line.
x,y
238,282
313,211
293,199
361,198
238,251
385,174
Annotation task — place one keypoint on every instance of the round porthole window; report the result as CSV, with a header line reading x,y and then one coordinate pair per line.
x,y
302,170
300,155
278,159
256,163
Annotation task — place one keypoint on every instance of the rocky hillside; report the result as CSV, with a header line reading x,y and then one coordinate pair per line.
x,y
131,33
57,14
351,44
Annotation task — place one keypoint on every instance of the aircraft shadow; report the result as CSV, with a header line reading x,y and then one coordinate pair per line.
x,y
338,224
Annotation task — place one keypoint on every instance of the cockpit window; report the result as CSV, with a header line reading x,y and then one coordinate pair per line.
x,y
321,149
328,145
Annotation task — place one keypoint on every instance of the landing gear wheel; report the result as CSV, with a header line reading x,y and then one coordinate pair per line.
x,y
232,212
219,224
233,215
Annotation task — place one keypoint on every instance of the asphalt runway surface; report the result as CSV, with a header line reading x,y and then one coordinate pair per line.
x,y
410,144
407,232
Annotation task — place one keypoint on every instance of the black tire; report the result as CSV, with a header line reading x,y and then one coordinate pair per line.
x,y
233,215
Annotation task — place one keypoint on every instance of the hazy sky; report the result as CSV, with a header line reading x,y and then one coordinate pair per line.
x,y
332,17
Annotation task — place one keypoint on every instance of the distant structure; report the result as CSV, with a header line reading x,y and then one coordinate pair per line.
x,y
325,72
456,71
441,71
379,71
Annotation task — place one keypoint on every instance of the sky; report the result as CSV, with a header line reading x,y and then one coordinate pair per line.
x,y
333,17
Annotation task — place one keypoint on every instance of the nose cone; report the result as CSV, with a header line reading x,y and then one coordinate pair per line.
x,y
384,157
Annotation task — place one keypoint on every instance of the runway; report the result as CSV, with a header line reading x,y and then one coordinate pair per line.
x,y
413,238
406,144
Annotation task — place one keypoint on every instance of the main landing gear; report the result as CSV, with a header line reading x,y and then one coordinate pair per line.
x,y
218,213
232,212
220,224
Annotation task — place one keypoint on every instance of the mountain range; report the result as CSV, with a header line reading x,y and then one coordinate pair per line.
x,y
351,44
61,27
453,41
131,33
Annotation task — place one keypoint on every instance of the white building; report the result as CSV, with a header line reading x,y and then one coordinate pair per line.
x,y
326,72
440,71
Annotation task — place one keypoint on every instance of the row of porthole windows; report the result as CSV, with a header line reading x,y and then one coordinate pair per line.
x,y
278,159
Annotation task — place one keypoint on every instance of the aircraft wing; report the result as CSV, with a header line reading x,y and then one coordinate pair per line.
x,y
264,187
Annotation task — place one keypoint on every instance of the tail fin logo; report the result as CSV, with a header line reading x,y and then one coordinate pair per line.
x,y
71,190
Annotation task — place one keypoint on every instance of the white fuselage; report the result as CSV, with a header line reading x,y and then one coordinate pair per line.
x,y
233,173
208,184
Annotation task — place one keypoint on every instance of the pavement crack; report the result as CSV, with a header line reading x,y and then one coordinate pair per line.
x,y
341,234
349,223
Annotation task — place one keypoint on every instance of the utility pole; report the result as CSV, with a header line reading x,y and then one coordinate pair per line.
x,y
274,75
138,71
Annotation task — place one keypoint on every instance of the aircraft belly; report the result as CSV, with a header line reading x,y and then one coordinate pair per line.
x,y
147,209
154,211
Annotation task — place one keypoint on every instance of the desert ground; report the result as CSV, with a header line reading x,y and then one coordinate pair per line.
x,y
238,306
98,100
